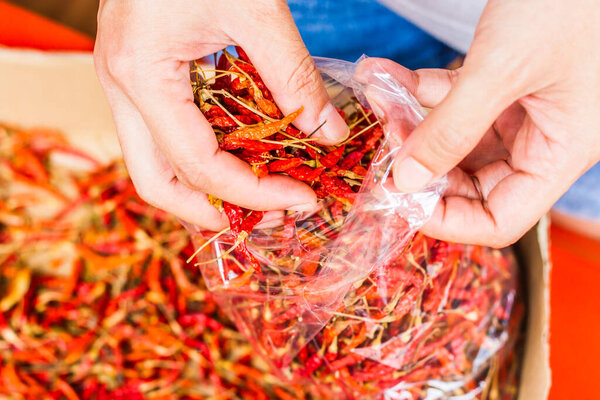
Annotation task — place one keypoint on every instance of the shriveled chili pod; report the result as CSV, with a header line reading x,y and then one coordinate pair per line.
x,y
284,165
264,130
305,173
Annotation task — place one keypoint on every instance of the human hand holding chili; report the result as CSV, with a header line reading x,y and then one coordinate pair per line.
x,y
514,127
142,57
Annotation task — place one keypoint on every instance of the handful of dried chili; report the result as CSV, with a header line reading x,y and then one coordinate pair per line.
x,y
308,262
347,299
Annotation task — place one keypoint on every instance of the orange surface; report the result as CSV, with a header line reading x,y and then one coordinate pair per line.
x,y
575,316
575,281
21,28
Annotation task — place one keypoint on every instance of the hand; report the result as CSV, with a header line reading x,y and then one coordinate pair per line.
x,y
142,56
514,127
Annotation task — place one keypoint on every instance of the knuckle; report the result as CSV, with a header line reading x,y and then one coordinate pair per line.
x,y
448,142
192,175
453,75
118,65
147,192
99,64
503,236
305,79
266,10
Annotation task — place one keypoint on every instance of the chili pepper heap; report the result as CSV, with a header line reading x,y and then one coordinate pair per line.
x,y
96,300
349,301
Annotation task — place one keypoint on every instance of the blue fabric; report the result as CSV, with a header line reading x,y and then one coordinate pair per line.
x,y
583,199
347,29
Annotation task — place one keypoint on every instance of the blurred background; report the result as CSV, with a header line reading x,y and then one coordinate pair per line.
x,y
77,14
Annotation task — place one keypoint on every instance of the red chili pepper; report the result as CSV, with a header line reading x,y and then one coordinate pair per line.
x,y
242,54
214,111
305,173
313,363
359,170
264,130
235,214
335,186
325,228
222,82
228,122
283,395
200,320
371,141
290,313
332,158
290,130
129,392
251,219
249,145
251,71
284,165
260,170
351,160
268,107
345,361
200,346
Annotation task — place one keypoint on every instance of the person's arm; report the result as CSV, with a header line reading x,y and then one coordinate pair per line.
x,y
514,127
142,56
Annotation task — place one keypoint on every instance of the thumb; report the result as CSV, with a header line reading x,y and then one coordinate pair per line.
x,y
450,132
280,56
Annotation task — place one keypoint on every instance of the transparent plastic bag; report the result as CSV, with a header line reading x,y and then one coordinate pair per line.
x,y
315,268
309,280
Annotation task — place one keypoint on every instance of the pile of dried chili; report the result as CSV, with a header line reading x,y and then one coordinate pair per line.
x,y
96,300
348,302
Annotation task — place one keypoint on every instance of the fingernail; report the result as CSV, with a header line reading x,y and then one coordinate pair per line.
x,y
335,128
376,99
411,176
376,108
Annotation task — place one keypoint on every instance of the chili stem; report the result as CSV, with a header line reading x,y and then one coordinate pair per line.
x,y
304,141
239,241
254,110
241,124
209,241
359,133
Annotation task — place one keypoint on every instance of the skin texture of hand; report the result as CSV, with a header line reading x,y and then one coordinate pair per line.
x,y
142,56
514,127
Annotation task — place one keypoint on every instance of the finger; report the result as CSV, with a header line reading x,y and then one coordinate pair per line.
x,y
289,72
461,184
428,86
464,112
449,133
500,220
163,95
271,219
150,171
511,202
